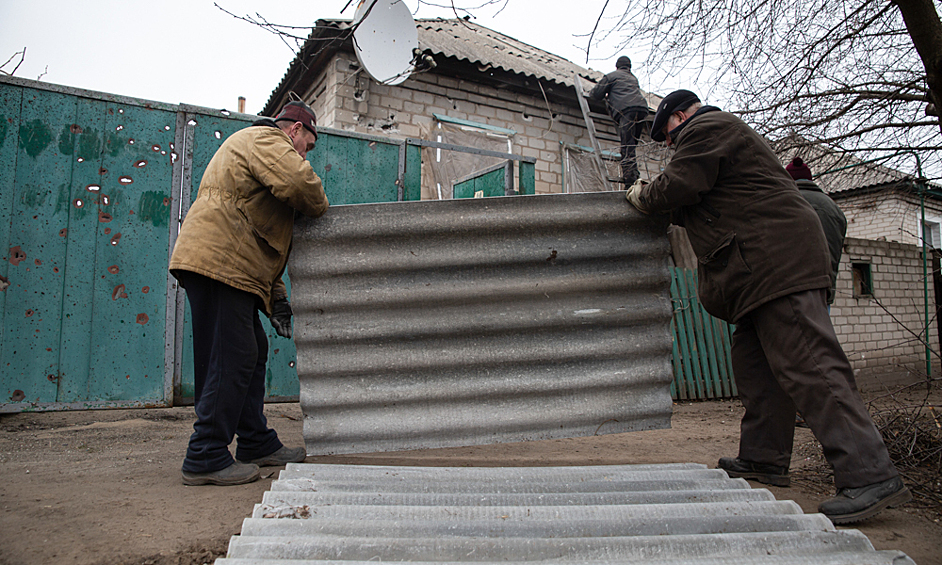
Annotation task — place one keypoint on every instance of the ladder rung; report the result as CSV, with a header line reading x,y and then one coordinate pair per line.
x,y
603,117
607,137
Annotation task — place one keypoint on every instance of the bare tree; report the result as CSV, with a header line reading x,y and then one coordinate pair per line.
x,y
863,77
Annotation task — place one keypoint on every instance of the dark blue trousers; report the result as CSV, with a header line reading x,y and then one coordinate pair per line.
x,y
230,350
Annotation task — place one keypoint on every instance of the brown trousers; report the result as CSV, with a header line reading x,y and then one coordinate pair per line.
x,y
785,356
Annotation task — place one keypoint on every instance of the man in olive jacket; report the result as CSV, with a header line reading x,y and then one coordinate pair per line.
x,y
763,265
229,256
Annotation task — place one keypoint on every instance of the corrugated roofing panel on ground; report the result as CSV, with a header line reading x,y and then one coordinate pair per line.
x,y
463,322
351,525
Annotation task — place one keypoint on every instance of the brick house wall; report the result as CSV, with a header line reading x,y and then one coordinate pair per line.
x,y
877,332
887,215
346,98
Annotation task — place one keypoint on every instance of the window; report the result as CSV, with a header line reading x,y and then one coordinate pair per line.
x,y
932,233
863,280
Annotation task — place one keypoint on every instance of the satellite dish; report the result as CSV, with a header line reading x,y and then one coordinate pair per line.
x,y
384,39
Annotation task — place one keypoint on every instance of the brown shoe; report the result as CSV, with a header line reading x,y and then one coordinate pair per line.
x,y
235,474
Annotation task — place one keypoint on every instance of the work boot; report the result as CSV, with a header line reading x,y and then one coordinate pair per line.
x,y
762,472
283,456
235,474
856,504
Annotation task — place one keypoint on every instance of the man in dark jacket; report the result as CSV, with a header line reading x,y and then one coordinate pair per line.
x,y
832,219
763,266
628,108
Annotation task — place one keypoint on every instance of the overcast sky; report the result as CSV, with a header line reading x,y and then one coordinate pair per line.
x,y
190,51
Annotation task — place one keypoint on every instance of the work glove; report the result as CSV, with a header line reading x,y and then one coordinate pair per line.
x,y
281,318
634,196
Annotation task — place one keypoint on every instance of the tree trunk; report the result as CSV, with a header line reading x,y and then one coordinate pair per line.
x,y
925,29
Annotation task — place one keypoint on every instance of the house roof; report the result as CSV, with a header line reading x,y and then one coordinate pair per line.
x,y
839,174
458,39
468,41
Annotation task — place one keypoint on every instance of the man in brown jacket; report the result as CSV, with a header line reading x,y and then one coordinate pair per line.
x,y
763,265
229,256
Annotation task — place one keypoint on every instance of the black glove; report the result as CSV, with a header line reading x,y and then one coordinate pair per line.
x,y
281,318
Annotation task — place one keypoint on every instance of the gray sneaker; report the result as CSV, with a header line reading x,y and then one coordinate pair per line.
x,y
856,504
283,456
235,474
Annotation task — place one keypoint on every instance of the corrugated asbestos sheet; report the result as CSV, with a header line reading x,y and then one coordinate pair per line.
x,y
468,41
663,514
463,322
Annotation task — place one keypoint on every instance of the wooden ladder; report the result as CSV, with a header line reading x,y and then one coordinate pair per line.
x,y
594,135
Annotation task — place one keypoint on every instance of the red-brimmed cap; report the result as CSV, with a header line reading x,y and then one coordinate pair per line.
x,y
299,112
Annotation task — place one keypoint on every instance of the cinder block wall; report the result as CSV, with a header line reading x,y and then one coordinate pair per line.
x,y
877,332
349,100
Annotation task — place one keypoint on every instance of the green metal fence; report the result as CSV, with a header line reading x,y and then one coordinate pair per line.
x,y
85,184
92,189
701,357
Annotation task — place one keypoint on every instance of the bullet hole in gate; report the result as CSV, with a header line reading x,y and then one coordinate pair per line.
x,y
142,319
18,395
119,128
104,217
125,180
75,128
29,313
217,134
107,231
93,188
145,290
16,255
118,292
63,232
116,239
140,164
113,269
79,203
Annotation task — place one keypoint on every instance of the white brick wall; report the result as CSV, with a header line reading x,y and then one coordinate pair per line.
x,y
879,334
354,102
886,215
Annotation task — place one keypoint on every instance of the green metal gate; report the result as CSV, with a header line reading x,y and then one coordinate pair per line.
x,y
84,223
701,357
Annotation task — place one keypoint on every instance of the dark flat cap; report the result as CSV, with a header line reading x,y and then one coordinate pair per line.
x,y
299,112
677,100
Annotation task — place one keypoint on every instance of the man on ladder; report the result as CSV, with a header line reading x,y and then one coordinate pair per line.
x,y
628,108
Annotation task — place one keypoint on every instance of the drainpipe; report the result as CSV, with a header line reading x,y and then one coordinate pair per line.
x,y
920,186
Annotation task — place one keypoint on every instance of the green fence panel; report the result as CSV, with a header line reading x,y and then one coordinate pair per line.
x,y
84,319
10,102
356,170
487,183
527,178
35,251
701,357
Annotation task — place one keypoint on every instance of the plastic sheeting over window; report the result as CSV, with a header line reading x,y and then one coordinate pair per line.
x,y
582,175
443,168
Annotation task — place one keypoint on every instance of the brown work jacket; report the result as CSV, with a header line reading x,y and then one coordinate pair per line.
x,y
755,237
238,230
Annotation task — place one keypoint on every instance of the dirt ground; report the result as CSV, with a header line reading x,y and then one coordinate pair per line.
x,y
103,487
